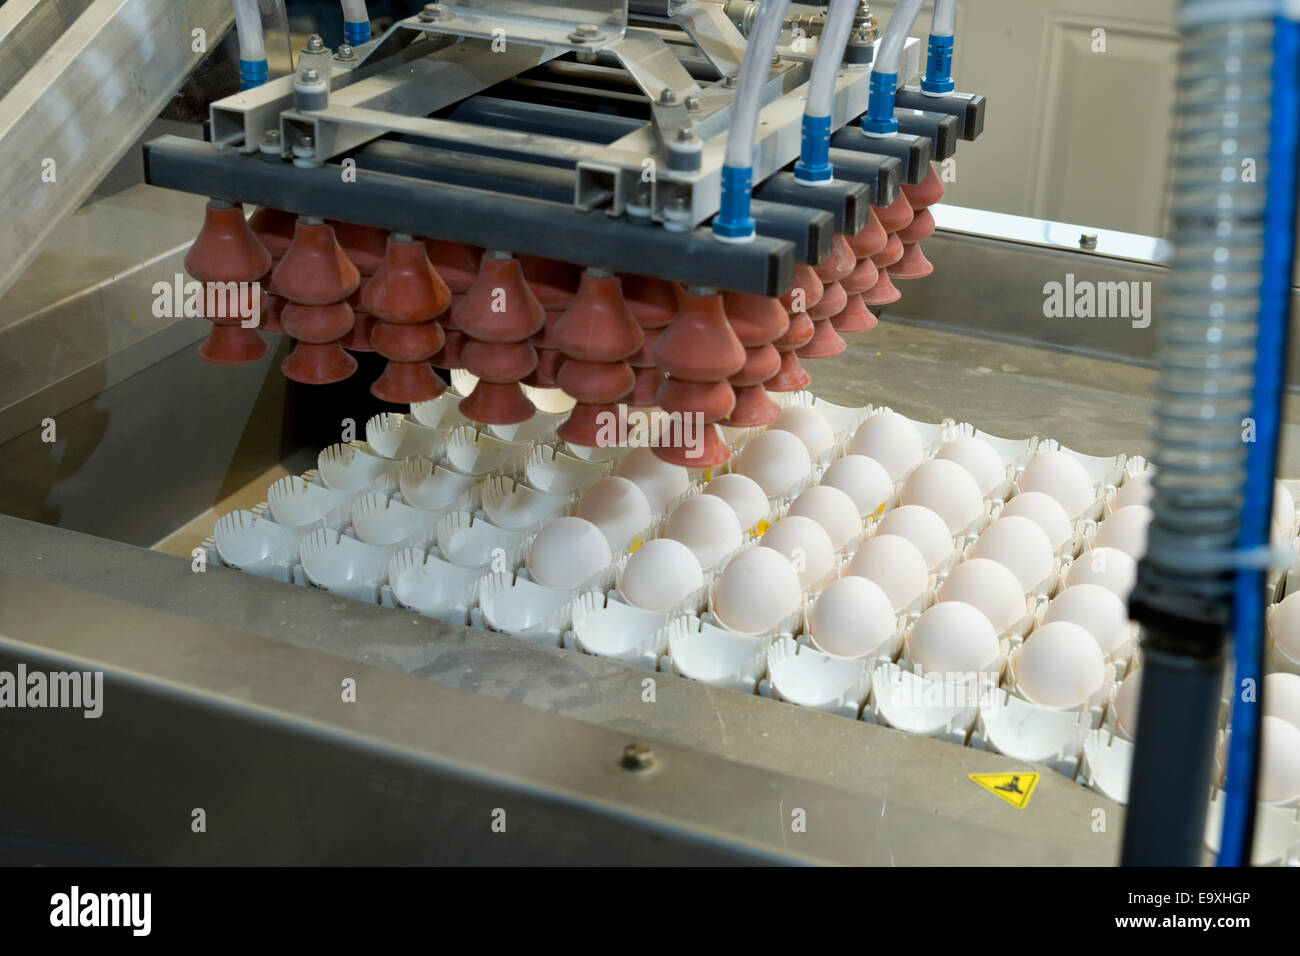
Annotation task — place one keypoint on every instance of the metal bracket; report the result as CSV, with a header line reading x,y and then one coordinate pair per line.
x,y
568,24
713,33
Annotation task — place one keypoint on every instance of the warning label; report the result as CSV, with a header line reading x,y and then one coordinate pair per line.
x,y
1014,788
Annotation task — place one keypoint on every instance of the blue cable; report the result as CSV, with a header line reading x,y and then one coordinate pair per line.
x,y
1261,458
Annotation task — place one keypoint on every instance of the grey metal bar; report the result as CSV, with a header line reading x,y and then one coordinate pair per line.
x,y
912,151
967,108
455,168
939,128
549,120
880,174
811,230
846,200
490,219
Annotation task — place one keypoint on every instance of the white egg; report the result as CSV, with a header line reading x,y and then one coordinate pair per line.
x,y
1282,696
947,489
1109,567
890,439
744,495
617,507
1060,665
923,528
990,587
1279,760
776,459
1045,511
661,574
863,479
1098,611
756,591
832,509
895,564
1284,625
1126,703
853,617
1283,510
808,425
805,544
661,482
1021,545
567,552
978,457
953,639
1125,529
1136,490
707,525
1062,476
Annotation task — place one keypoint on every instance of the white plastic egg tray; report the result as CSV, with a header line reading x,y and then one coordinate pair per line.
x,y
436,514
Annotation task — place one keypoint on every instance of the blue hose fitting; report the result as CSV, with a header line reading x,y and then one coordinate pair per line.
x,y
252,73
814,166
880,105
356,33
733,223
938,66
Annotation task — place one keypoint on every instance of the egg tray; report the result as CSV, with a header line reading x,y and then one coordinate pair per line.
x,y
494,591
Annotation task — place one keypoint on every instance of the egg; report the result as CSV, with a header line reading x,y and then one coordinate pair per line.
x,y
744,496
991,588
1098,611
776,459
659,481
805,544
890,439
1045,511
756,591
853,617
1136,490
1283,510
895,564
978,457
1062,476
707,525
1021,545
832,509
1109,567
1059,666
923,528
864,480
567,552
953,639
947,489
660,575
1126,703
1125,529
808,425
1279,760
1282,697
617,507
1284,625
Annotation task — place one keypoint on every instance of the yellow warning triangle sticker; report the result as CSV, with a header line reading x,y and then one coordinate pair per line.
x,y
1014,788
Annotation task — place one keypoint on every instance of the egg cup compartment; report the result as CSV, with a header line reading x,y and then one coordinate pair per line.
x,y
700,651
1014,453
479,454
1095,706
1106,764
509,602
885,652
554,472
465,539
925,706
1133,467
551,401
441,413
342,565
800,675
694,603
430,586
299,503
843,419
352,467
514,506
1009,637
433,488
788,626
538,428
244,541
396,436
1279,661
1277,830
384,523
1120,657
603,626
1102,470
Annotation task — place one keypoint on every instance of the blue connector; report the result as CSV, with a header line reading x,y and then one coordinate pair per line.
x,y
938,66
356,34
880,105
252,73
733,223
814,164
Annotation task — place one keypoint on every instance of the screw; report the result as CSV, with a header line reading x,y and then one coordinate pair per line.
x,y
692,102
684,135
433,11
668,97
1088,240
585,33
315,44
345,52
637,757
271,137
310,76
776,59
730,80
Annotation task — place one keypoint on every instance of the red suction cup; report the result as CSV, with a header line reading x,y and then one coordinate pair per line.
x,y
804,292
792,376
499,306
226,250
450,356
652,301
692,448
919,228
884,292
494,403
405,289
408,377
896,215
839,264
457,263
913,264
363,245
699,345
825,343
925,193
871,238
315,270
753,405
862,278
318,358
892,252
756,319
598,326
233,345
834,299
553,282
274,229
855,317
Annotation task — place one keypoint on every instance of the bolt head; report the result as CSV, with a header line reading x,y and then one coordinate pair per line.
x,y
684,135
668,96
589,29
776,59
637,757
692,102
730,80
271,136
310,76
315,44
345,52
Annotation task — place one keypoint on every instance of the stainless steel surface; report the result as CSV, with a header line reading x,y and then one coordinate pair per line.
x,y
86,101
565,24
